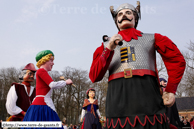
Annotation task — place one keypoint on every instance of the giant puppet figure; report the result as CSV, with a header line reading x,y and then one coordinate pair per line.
x,y
133,97
90,112
42,108
20,95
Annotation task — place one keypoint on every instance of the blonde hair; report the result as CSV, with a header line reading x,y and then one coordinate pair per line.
x,y
43,60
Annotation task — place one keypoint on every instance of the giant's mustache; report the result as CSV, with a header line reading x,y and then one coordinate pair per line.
x,y
31,78
125,18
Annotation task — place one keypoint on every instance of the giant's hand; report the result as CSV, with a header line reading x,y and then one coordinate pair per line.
x,y
113,42
168,99
69,82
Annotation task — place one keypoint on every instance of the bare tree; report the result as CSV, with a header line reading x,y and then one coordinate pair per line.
x,y
161,67
186,86
68,100
189,56
7,77
101,91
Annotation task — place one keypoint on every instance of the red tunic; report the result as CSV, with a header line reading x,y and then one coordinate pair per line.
x,y
172,57
42,86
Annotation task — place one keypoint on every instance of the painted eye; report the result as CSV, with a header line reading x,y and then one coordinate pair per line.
x,y
30,73
128,12
119,14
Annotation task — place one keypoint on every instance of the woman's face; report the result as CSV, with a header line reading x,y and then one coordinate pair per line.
x,y
91,94
49,64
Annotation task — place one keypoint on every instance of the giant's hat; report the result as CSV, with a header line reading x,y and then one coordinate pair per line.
x,y
30,66
89,90
126,6
42,54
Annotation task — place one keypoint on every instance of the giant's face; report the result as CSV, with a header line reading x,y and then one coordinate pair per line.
x,y
29,76
91,94
49,64
125,19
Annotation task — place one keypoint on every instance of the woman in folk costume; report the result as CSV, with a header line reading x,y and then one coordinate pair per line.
x,y
42,108
90,112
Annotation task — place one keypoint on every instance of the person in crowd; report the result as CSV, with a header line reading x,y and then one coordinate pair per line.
x,y
70,126
1,124
192,123
78,126
64,126
171,112
186,123
182,120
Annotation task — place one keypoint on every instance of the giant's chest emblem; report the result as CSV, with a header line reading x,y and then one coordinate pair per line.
x,y
127,54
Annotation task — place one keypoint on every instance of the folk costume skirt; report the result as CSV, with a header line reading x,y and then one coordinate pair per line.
x,y
91,122
135,103
41,113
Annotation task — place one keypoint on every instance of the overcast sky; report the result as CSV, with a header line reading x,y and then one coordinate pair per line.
x,y
73,29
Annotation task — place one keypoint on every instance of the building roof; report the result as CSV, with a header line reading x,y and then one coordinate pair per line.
x,y
185,103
